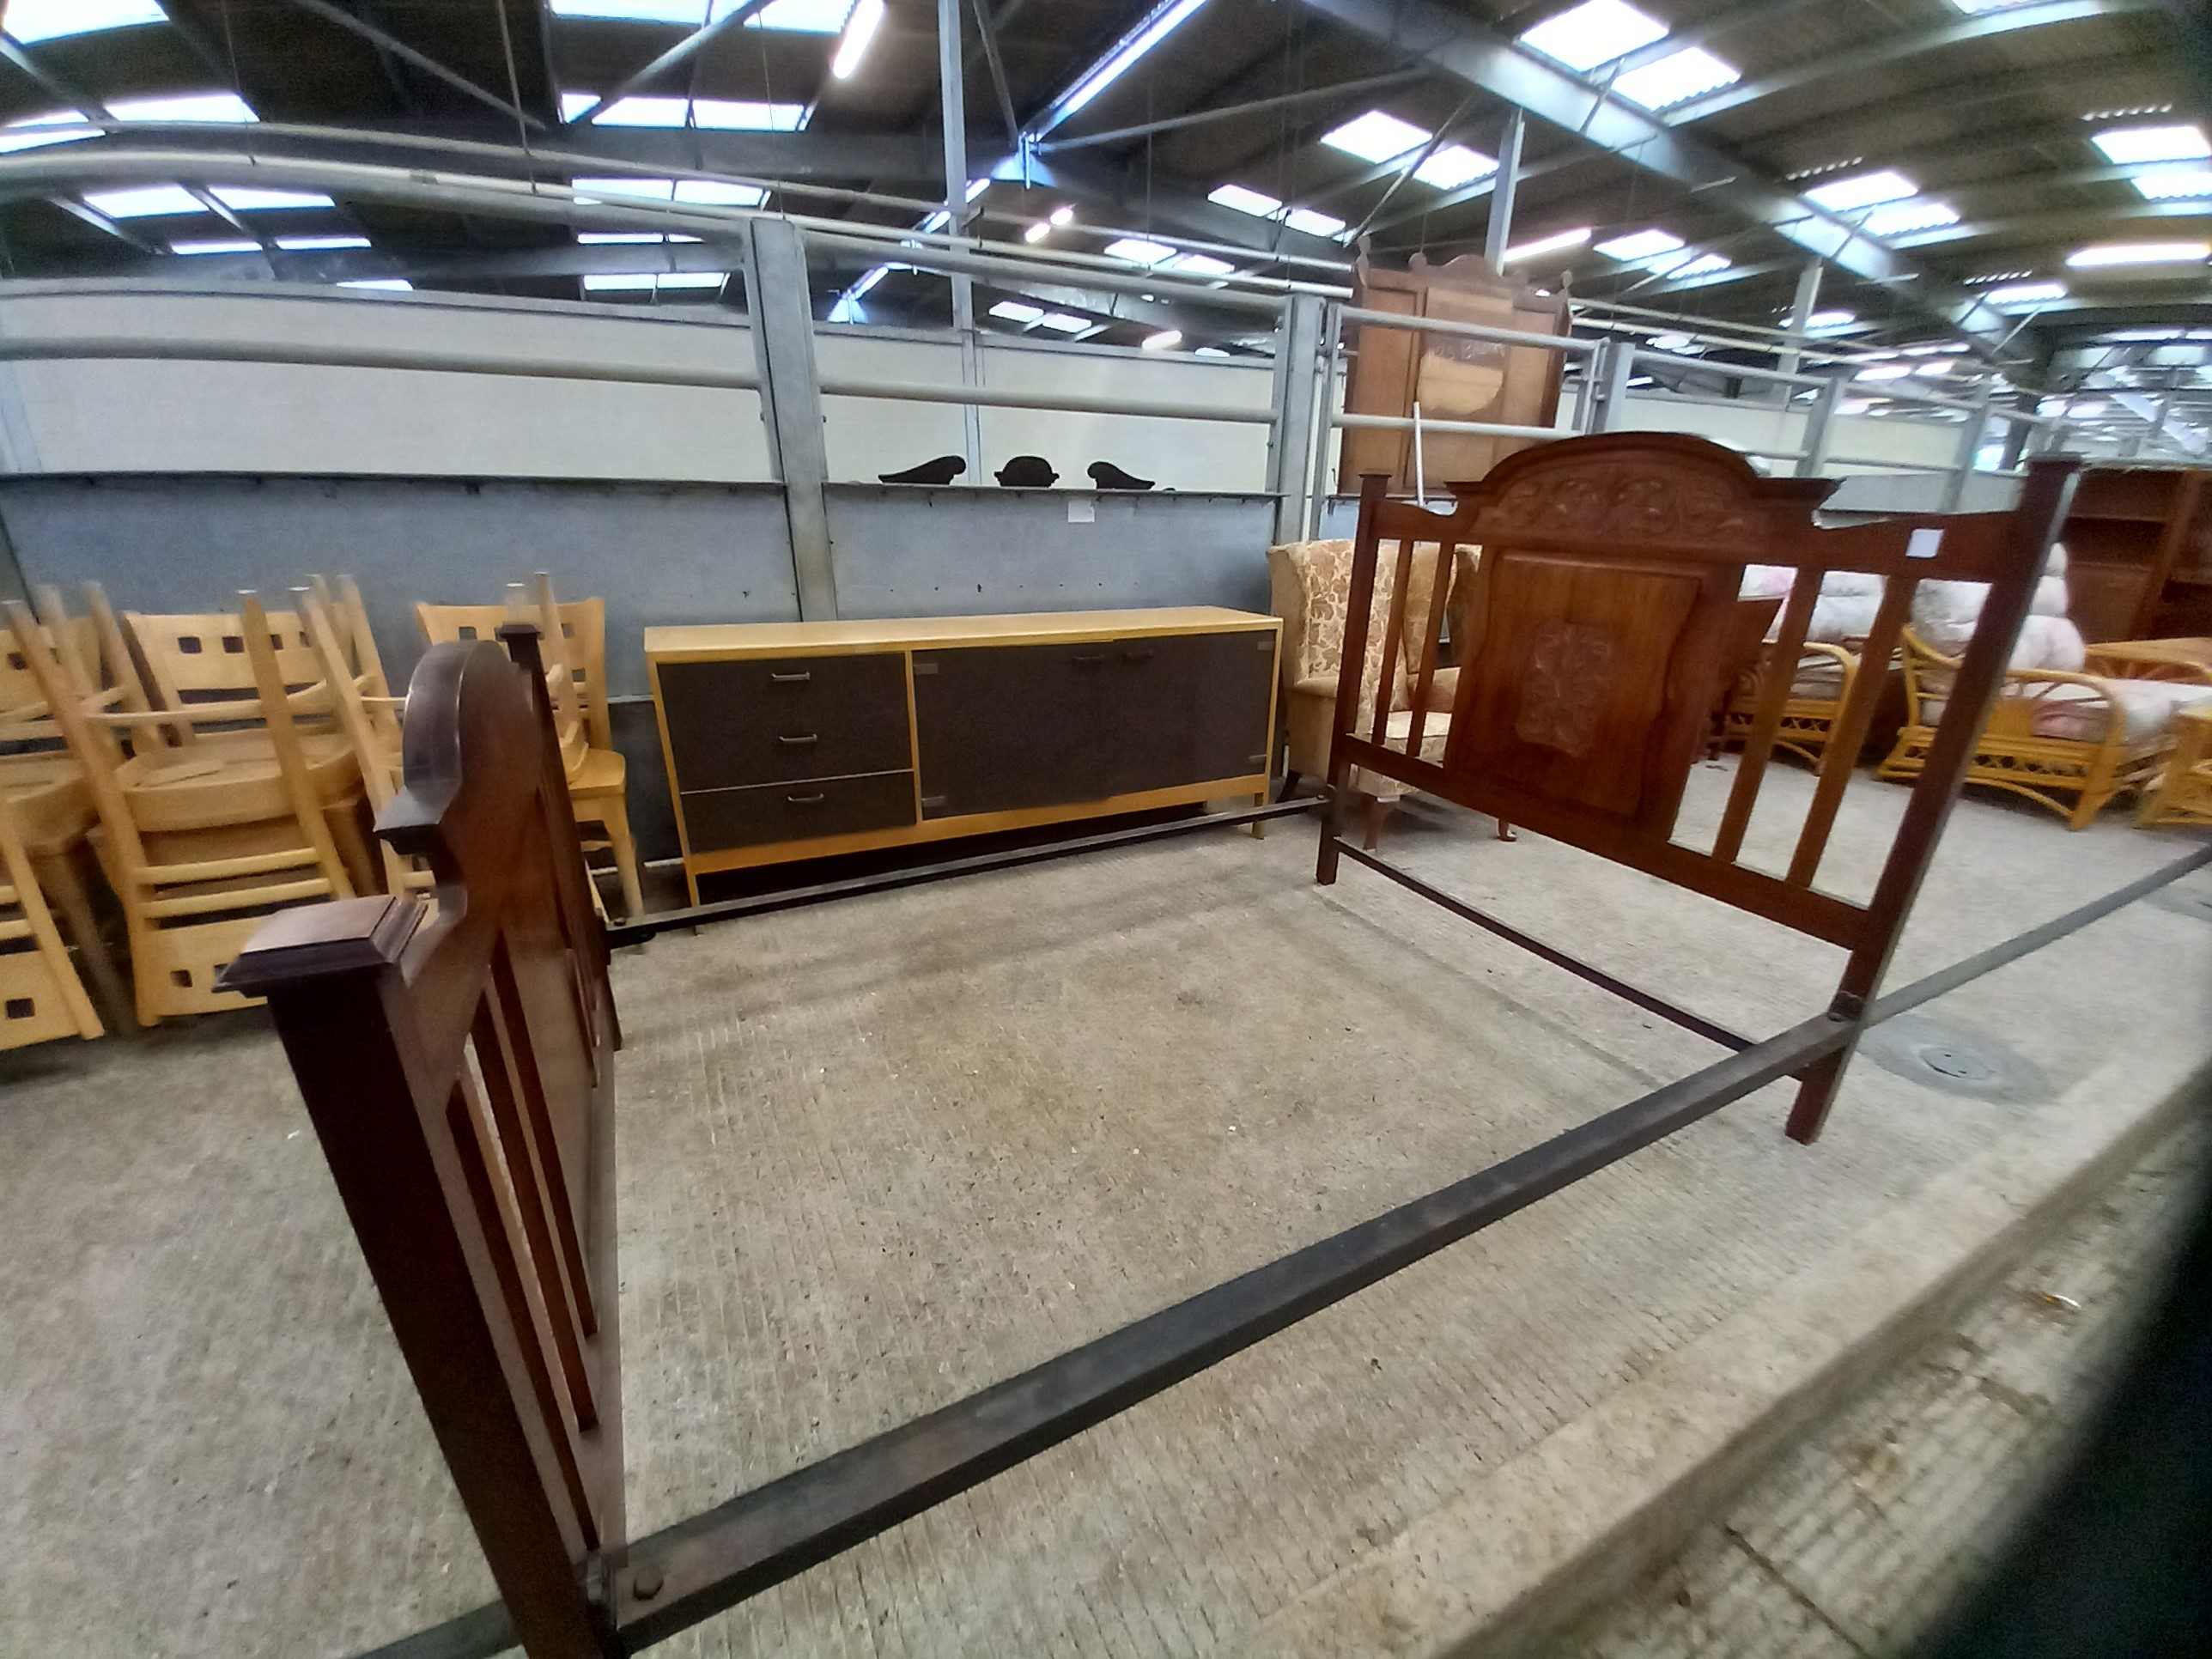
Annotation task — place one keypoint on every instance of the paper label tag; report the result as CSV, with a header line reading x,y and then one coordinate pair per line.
x,y
1922,543
1082,510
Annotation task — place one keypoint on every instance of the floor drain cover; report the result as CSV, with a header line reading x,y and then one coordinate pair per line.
x,y
2187,898
1957,1062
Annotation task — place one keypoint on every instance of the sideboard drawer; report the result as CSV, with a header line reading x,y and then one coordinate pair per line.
x,y
760,720
717,820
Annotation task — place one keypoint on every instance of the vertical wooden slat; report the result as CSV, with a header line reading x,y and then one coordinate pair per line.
x,y
2035,521
1395,631
541,1203
1777,674
1842,752
1426,677
462,1124
1345,710
504,993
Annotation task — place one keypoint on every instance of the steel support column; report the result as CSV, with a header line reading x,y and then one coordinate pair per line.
x,y
1962,458
791,404
952,98
1500,229
1820,426
1607,373
1291,438
1801,315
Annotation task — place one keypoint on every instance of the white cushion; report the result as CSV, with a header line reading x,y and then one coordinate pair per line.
x,y
2145,708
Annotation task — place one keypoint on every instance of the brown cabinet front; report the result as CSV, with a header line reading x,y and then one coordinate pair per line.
x,y
1006,728
775,720
715,820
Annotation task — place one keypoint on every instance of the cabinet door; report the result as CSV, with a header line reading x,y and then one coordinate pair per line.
x,y
1002,728
1191,707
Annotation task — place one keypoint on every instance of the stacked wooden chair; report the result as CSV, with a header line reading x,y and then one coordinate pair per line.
x,y
48,798
41,997
235,797
574,635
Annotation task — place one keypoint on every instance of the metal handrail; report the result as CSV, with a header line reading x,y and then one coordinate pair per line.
x,y
1567,343
1166,408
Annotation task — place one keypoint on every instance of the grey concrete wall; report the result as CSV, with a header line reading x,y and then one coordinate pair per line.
x,y
909,550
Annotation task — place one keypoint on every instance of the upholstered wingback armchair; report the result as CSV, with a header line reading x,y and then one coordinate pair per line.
x,y
1310,585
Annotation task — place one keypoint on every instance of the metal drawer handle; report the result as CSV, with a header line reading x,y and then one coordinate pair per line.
x,y
799,678
800,742
1146,655
1089,658
805,801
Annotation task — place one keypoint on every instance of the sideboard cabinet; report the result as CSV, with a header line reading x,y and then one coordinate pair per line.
x,y
793,740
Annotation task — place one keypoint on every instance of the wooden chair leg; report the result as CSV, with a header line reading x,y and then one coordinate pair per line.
x,y
62,880
349,834
1289,786
1260,825
1378,814
612,816
1505,831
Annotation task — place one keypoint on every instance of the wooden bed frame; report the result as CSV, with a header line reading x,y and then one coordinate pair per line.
x,y
457,1052
1600,643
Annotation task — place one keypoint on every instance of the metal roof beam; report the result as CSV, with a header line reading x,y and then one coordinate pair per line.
x,y
1913,42
1144,198
734,18
1231,112
1457,47
423,61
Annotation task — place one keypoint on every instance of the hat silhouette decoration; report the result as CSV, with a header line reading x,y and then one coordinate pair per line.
x,y
942,470
1027,472
1107,476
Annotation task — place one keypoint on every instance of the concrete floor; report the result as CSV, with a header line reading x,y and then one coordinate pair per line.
x,y
1857,1541
877,1154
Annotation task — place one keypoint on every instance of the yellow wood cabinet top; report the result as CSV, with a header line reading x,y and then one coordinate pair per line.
x,y
716,641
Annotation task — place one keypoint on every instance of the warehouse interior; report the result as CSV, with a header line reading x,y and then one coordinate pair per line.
x,y
1205,669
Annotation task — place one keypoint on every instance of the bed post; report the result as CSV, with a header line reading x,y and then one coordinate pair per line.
x,y
2044,500
1351,666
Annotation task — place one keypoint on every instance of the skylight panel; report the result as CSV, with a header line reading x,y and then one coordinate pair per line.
x,y
18,137
1884,371
1376,137
1157,25
2158,184
1863,190
1201,264
33,20
1976,8
1902,218
1245,201
1597,32
1166,340
2139,254
1553,244
618,281
381,284
1316,224
247,198
614,238
189,249
713,193
320,244
1453,165
691,13
1014,311
1703,265
737,115
644,113
798,17
691,279
2183,142
2018,296
1639,244
144,201
1673,79
650,190
1139,252
1063,322
1829,322
223,108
